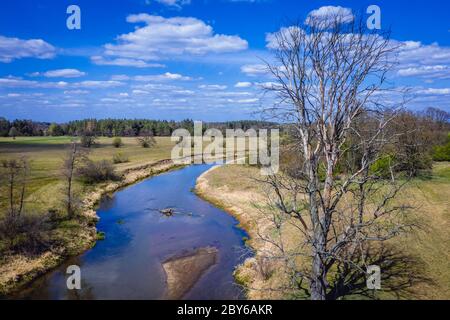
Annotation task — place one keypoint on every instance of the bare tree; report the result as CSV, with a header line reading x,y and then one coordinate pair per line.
x,y
15,176
330,83
74,157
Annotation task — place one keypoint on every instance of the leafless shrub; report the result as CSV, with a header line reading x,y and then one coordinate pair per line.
x,y
98,171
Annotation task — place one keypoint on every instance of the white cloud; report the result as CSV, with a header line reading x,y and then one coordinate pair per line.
x,y
97,84
164,38
140,92
415,51
120,77
174,3
162,77
212,87
251,100
243,85
14,48
76,92
436,71
329,14
20,83
60,73
124,62
254,69
435,91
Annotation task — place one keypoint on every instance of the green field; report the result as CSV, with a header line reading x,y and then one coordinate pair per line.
x,y
46,156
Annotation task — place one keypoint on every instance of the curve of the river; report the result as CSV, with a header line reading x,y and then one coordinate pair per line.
x,y
139,238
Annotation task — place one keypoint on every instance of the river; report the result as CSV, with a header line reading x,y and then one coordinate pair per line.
x,y
128,263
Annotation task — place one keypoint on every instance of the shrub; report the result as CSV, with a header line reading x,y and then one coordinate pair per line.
x,y
117,142
442,153
382,167
101,235
146,141
94,172
88,141
120,158
27,233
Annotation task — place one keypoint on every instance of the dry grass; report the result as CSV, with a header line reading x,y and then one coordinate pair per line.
x,y
235,190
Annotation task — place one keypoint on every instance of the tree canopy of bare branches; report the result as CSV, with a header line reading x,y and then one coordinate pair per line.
x,y
330,81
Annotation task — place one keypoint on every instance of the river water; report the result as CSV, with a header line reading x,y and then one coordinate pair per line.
x,y
128,263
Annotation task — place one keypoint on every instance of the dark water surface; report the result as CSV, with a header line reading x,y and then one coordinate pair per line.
x,y
127,264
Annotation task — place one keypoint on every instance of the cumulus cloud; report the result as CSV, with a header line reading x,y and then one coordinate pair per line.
x,y
254,69
243,84
124,62
329,14
435,91
174,3
164,38
14,48
76,92
60,73
162,77
212,87
435,72
20,83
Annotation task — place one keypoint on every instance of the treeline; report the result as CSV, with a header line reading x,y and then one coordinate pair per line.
x,y
410,143
116,127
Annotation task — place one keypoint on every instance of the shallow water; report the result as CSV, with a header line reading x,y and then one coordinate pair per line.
x,y
128,263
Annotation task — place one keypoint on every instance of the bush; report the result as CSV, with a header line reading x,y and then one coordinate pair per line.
x,y
382,167
120,158
146,141
88,141
26,233
442,153
100,171
101,235
117,142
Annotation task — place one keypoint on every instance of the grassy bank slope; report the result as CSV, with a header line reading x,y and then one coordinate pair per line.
x,y
233,188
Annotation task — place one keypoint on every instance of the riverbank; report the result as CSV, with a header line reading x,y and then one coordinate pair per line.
x,y
232,189
18,270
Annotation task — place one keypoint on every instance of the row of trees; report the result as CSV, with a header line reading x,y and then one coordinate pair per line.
x,y
115,127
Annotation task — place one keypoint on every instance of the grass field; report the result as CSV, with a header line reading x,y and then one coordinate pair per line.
x,y
234,189
46,156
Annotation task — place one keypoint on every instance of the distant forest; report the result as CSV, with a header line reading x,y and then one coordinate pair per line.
x,y
117,127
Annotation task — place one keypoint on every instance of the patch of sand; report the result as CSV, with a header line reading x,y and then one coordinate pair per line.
x,y
184,271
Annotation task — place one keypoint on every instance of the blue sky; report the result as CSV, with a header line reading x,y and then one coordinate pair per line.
x,y
175,59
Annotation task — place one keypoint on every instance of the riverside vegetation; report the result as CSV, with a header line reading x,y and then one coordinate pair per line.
x,y
40,226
